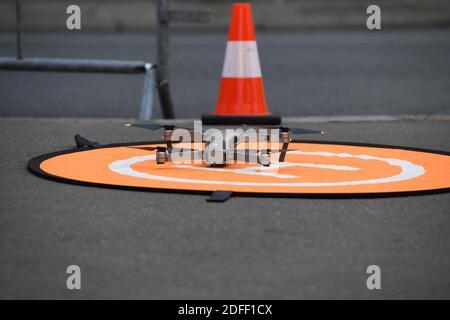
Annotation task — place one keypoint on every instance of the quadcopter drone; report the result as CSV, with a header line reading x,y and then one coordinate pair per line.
x,y
225,150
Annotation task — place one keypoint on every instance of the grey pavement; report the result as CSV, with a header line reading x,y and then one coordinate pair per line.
x,y
154,245
388,72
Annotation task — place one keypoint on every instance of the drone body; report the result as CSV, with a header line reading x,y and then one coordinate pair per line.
x,y
223,146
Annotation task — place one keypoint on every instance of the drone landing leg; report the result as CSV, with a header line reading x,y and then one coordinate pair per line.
x,y
169,146
283,151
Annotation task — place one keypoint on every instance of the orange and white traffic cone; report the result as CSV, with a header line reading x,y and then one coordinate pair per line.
x,y
241,95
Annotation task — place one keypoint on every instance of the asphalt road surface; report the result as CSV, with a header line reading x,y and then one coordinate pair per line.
x,y
311,73
158,245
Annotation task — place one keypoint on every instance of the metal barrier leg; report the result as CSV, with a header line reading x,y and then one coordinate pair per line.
x,y
164,16
148,94
162,35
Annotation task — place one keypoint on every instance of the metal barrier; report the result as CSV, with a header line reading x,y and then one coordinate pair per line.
x,y
164,17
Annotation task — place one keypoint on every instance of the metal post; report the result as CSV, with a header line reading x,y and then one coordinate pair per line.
x,y
18,29
162,72
147,101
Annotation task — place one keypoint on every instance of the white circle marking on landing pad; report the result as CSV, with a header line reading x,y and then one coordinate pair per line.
x,y
409,171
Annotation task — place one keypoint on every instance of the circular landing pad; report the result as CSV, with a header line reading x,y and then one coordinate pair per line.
x,y
311,169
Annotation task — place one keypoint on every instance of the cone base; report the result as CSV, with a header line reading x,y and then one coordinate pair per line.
x,y
214,119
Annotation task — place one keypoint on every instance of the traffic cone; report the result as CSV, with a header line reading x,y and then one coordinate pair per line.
x,y
241,96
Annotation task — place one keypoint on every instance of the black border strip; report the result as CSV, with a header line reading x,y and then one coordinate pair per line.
x,y
34,167
215,119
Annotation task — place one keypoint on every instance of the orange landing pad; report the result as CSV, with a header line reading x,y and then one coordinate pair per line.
x,y
323,169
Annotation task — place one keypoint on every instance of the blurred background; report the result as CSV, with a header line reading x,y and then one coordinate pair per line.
x,y
318,57
139,15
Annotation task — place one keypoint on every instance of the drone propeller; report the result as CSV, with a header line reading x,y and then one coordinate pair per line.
x,y
300,130
288,129
304,131
149,126
158,148
155,126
